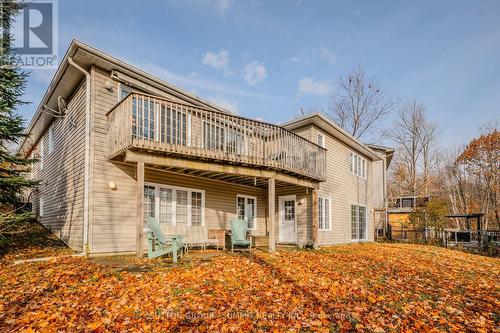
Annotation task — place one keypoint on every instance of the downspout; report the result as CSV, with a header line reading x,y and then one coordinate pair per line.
x,y
87,156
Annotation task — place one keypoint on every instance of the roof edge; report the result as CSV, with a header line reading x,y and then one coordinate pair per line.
x,y
335,130
74,46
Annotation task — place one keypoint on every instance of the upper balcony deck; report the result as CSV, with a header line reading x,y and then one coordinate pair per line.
x,y
143,122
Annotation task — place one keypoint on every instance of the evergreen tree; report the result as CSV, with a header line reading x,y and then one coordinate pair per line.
x,y
12,84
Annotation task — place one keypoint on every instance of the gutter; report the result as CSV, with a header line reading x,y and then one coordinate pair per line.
x,y
85,244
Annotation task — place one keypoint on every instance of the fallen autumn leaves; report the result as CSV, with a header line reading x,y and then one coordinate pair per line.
x,y
367,287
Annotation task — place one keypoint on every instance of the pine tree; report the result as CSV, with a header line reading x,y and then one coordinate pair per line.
x,y
13,166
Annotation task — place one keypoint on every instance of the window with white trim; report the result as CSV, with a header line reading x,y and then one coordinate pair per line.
x,y
174,205
124,91
196,200
321,140
358,165
149,201
358,222
216,137
40,205
246,207
41,153
143,118
324,213
175,125
32,167
51,138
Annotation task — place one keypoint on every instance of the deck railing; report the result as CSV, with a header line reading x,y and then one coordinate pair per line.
x,y
156,124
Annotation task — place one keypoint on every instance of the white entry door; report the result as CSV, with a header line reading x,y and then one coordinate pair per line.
x,y
287,220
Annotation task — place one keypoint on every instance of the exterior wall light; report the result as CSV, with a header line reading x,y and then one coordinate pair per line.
x,y
112,185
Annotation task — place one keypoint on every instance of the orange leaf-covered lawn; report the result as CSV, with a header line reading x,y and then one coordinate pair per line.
x,y
366,287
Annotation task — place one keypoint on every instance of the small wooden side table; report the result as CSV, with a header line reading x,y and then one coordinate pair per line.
x,y
220,235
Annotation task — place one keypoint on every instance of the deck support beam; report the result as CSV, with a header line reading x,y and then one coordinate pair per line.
x,y
271,192
173,162
140,208
315,218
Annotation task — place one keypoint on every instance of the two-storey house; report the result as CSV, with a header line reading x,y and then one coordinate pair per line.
x,y
116,144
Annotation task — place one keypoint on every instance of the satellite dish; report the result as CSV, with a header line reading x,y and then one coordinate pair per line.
x,y
62,106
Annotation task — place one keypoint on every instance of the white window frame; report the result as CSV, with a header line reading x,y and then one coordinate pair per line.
x,y
51,138
358,165
40,206
225,132
41,153
121,87
323,213
322,136
255,207
357,222
158,123
174,203
32,166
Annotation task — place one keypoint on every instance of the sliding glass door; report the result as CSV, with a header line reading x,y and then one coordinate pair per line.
x,y
358,222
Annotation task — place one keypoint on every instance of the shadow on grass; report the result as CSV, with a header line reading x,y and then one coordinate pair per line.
x,y
35,242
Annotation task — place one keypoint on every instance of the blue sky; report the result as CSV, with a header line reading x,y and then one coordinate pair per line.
x,y
266,59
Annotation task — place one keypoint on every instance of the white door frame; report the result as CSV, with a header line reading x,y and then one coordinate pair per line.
x,y
246,197
281,199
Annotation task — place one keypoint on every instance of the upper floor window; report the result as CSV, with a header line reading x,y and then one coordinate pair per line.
x,y
218,137
51,138
41,153
321,140
40,205
124,91
358,165
32,169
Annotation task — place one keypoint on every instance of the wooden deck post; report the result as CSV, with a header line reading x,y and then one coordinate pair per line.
x,y
271,212
315,218
140,208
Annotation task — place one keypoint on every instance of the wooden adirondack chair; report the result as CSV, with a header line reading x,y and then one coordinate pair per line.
x,y
239,235
160,244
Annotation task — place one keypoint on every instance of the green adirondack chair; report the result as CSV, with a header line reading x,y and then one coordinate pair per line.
x,y
239,235
160,244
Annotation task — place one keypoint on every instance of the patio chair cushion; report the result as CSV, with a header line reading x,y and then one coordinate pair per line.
x,y
243,242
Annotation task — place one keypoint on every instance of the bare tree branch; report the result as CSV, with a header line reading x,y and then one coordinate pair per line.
x,y
358,104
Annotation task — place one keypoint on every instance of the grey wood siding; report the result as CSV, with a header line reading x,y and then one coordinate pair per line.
x,y
62,175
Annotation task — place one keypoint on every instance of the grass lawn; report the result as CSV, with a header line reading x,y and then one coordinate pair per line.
x,y
366,287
